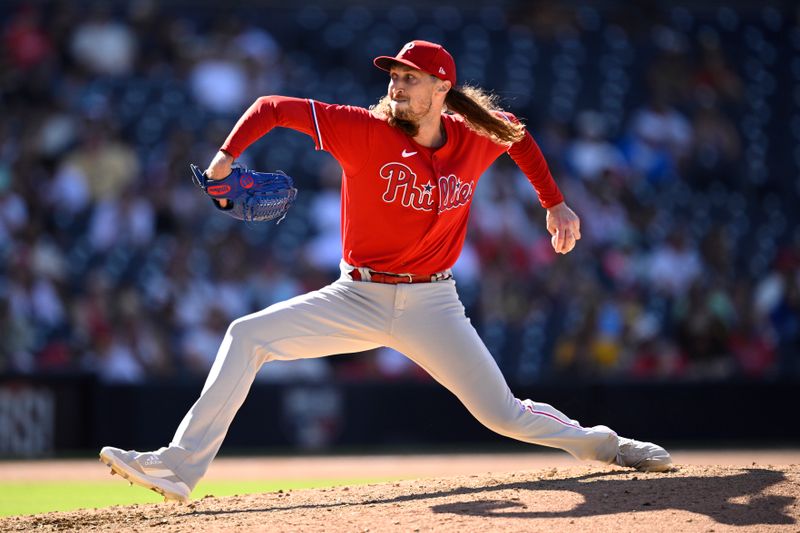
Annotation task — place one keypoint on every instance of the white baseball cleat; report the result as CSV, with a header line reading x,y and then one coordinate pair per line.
x,y
643,456
146,470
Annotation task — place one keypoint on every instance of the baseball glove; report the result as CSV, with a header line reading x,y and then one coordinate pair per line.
x,y
252,196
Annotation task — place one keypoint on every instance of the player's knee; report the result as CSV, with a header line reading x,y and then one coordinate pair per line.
x,y
503,422
242,329
236,328
254,334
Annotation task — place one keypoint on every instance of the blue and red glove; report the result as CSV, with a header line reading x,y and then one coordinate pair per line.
x,y
252,196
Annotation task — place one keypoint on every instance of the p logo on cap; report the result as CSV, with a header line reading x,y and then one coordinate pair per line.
x,y
425,56
408,46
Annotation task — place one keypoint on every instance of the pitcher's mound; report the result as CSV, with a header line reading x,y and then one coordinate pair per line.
x,y
692,498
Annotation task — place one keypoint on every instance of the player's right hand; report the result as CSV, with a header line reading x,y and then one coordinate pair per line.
x,y
564,226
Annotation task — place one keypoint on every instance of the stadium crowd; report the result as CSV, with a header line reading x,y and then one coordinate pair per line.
x,y
673,133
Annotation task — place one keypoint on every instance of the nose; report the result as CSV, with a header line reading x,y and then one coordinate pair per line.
x,y
396,85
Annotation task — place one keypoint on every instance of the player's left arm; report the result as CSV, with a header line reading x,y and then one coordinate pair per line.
x,y
562,222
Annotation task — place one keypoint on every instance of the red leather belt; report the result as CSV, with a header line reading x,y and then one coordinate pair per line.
x,y
394,279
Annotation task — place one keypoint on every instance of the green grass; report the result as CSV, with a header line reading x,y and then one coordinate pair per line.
x,y
21,498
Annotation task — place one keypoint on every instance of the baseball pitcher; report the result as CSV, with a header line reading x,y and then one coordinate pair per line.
x,y
410,167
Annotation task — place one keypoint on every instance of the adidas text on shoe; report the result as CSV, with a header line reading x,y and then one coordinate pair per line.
x,y
643,456
146,470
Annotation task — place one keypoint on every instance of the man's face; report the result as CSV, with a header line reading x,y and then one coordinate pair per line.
x,y
410,92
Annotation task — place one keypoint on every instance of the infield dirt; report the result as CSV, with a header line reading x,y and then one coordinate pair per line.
x,y
695,497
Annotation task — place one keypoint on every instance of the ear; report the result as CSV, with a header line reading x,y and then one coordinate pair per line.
x,y
445,86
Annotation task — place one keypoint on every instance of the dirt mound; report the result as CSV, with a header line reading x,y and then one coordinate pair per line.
x,y
693,498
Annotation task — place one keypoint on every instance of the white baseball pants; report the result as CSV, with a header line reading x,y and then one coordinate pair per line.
x,y
424,321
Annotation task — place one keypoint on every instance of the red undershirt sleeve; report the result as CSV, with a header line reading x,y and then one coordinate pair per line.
x,y
266,113
341,130
528,157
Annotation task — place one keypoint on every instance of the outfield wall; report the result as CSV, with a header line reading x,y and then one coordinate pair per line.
x,y
40,418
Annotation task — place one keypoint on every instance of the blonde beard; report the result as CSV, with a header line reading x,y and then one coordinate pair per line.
x,y
383,109
407,114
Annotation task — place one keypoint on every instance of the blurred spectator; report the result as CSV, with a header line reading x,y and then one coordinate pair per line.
x,y
591,156
606,348
201,341
113,360
219,83
262,56
656,357
24,40
13,211
752,341
104,45
58,133
34,297
659,140
468,267
716,151
324,251
674,265
106,164
604,217
128,221
499,210
713,75
704,322
669,73
141,335
269,284
233,66
17,351
777,300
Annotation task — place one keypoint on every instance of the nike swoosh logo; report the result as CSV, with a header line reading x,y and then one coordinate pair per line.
x,y
408,154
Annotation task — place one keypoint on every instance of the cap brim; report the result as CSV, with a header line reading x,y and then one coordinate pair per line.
x,y
386,62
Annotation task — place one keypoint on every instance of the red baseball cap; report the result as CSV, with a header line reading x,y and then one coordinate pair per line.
x,y
425,56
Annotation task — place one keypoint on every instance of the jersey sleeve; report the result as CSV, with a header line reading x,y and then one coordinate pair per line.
x,y
343,131
529,158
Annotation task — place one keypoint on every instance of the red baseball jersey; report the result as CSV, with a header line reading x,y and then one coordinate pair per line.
x,y
404,206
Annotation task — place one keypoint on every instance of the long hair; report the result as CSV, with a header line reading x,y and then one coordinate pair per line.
x,y
480,110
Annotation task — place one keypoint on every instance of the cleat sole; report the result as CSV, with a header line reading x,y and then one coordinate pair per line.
x,y
120,472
